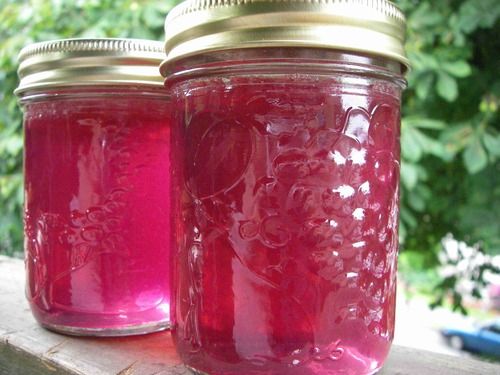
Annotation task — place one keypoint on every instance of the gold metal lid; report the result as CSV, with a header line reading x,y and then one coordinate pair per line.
x,y
375,27
84,62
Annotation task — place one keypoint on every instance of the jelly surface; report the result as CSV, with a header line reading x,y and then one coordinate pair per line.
x,y
97,213
285,210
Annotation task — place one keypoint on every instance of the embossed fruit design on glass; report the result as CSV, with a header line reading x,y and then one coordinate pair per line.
x,y
285,185
97,130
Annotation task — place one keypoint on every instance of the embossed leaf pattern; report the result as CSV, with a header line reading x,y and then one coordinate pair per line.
x,y
85,234
329,191
291,241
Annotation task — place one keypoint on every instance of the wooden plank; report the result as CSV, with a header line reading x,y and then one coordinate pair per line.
x,y
14,361
409,361
24,344
26,348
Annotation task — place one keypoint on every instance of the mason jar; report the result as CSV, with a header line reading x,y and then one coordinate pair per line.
x,y
96,163
285,185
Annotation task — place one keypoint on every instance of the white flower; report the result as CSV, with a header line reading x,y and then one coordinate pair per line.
x,y
451,248
466,251
464,262
447,271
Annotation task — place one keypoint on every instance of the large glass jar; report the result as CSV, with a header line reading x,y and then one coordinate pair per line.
x,y
285,160
97,130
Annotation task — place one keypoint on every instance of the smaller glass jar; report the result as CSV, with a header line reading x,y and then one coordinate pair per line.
x,y
96,163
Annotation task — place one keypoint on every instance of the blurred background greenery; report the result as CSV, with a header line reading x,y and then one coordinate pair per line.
x,y
450,131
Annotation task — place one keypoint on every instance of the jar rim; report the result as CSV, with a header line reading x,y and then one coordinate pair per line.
x,y
363,26
83,62
282,61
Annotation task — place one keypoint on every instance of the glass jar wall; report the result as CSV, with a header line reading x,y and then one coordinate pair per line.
x,y
285,212
96,191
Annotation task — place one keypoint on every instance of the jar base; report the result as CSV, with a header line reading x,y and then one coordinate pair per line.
x,y
119,322
195,371
198,372
127,330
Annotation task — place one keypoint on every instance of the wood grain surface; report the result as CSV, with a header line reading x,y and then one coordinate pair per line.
x,y
28,349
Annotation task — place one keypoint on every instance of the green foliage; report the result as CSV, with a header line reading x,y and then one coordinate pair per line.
x,y
450,130
450,135
25,22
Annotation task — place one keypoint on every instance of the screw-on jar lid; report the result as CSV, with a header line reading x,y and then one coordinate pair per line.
x,y
375,27
84,62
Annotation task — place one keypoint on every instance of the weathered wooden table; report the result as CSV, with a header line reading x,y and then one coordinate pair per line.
x,y
26,348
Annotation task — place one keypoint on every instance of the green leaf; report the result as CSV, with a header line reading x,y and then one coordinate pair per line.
x,y
474,14
424,191
408,218
409,175
447,87
11,145
458,69
152,17
416,202
423,61
475,157
402,232
424,123
424,85
410,148
429,145
492,144
457,137
425,16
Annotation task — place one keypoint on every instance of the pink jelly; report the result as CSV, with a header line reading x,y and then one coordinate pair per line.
x,y
97,208
96,191
285,212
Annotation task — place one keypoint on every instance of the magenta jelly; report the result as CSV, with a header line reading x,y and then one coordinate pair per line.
x,y
97,130
285,156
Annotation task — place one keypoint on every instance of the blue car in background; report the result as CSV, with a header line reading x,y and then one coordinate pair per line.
x,y
482,340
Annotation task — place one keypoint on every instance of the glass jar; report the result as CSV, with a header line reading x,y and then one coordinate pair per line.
x,y
285,160
97,130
